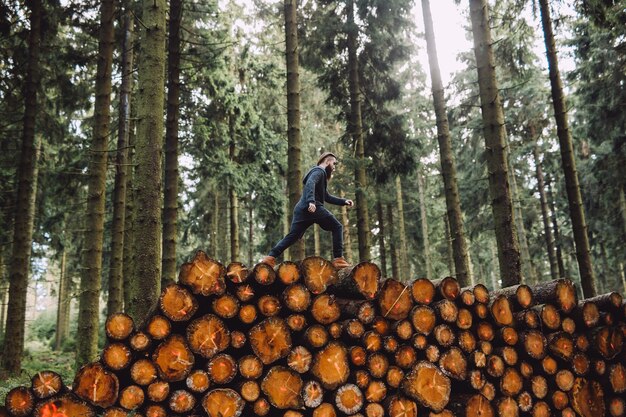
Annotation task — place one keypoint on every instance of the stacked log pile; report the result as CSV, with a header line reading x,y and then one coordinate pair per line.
x,y
308,340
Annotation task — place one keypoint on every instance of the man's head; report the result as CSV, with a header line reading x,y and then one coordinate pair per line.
x,y
328,161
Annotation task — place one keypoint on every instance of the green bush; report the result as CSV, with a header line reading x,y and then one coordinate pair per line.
x,y
42,328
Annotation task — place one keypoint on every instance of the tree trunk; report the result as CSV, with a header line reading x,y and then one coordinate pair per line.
x,y
454,218
147,237
622,275
405,270
250,232
381,236
547,230
316,240
234,225
129,219
4,288
451,257
347,238
355,127
424,221
89,301
27,173
116,279
622,208
294,138
24,204
495,144
214,224
574,198
63,304
170,202
528,268
395,265
557,236
223,245
234,202
492,273
603,285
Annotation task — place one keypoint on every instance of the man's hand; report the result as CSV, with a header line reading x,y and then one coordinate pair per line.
x,y
349,203
312,208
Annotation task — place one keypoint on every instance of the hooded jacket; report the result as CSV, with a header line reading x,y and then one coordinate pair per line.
x,y
315,189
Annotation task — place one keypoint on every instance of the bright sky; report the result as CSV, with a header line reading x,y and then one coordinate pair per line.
x,y
450,35
448,23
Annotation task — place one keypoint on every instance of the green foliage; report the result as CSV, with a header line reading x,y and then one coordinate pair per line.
x,y
39,359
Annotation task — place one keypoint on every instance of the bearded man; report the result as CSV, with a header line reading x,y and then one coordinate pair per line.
x,y
310,209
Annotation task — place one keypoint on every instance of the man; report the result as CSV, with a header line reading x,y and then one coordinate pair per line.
x,y
310,209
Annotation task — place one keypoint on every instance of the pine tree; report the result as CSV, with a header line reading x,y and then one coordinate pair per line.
x,y
146,279
572,185
25,202
294,163
495,143
446,157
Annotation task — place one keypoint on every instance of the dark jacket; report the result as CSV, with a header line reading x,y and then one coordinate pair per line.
x,y
315,189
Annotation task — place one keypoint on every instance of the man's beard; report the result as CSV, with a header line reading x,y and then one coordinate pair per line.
x,y
329,171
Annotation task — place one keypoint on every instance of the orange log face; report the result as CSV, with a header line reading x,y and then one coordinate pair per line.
x,y
143,372
366,276
203,275
318,274
428,385
270,340
395,300
331,366
237,272
45,384
208,336
177,303
288,272
283,388
402,407
67,405
20,401
423,291
325,310
96,385
587,398
173,358
119,326
479,406
223,402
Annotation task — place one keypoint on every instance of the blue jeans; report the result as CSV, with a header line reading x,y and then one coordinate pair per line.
x,y
302,220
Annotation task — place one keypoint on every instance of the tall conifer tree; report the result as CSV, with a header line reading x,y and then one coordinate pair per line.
x,y
146,280
568,161
25,202
89,304
495,143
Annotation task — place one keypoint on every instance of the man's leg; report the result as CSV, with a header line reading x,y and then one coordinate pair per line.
x,y
296,231
330,223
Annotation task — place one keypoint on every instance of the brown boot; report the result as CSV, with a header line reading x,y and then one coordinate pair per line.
x,y
340,263
269,260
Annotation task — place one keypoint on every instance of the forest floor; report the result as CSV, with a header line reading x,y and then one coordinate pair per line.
x,y
38,357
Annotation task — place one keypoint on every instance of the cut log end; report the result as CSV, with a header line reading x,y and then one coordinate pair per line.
x,y
428,385
223,402
282,387
94,384
318,274
203,275
119,326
